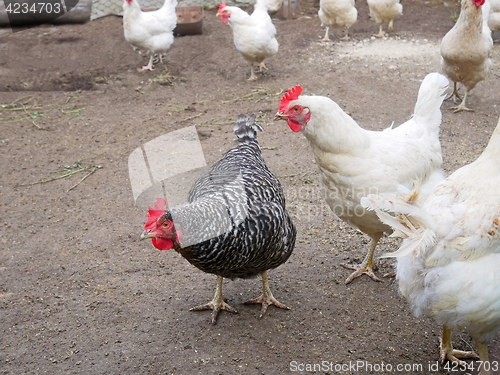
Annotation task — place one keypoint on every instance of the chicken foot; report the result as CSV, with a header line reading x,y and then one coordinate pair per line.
x,y
446,351
346,36
366,267
147,67
461,106
217,303
253,77
326,38
380,34
267,297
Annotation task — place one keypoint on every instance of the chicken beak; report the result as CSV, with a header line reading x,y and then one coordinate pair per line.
x,y
280,116
147,234
219,14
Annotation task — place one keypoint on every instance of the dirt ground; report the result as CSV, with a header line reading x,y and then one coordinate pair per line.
x,y
80,293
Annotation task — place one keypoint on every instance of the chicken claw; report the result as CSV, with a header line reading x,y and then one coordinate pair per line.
x,y
147,67
266,298
380,34
360,270
217,303
253,77
366,267
446,351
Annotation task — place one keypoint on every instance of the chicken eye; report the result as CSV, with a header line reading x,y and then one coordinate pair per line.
x,y
166,224
296,109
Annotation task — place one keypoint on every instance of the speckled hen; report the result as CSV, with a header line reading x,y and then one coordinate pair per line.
x,y
235,223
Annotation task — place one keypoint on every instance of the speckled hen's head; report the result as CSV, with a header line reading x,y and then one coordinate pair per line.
x,y
160,227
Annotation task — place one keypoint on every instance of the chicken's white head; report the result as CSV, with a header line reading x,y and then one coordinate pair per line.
x,y
290,109
223,13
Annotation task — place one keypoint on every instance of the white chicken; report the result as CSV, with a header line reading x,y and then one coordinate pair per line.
x,y
447,265
465,49
149,31
494,16
353,162
273,5
384,11
254,35
337,13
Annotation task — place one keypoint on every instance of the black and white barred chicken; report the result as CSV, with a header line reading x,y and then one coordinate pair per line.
x,y
235,223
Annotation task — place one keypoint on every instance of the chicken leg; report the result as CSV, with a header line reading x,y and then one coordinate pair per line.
x,y
390,27
366,267
461,106
381,33
326,38
482,349
217,303
267,297
147,67
346,36
446,351
253,77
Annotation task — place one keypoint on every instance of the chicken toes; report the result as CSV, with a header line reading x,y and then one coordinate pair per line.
x,y
446,351
266,298
147,67
360,270
217,303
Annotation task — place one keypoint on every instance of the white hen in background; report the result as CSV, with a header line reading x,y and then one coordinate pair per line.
x,y
149,31
384,11
353,162
466,48
448,263
337,13
494,15
253,35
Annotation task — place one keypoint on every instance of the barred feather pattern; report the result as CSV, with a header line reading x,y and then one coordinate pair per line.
x,y
235,223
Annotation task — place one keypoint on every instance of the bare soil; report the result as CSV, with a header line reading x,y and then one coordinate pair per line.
x,y
80,293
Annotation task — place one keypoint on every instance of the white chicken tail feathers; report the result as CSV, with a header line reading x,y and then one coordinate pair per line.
x,y
403,202
246,128
430,97
420,240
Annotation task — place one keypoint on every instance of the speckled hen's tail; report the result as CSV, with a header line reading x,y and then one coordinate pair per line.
x,y
246,128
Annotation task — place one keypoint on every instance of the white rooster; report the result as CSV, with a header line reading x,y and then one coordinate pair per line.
x,y
337,13
254,35
354,162
447,265
149,31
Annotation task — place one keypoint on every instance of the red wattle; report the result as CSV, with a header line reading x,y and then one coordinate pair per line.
x,y
294,125
162,243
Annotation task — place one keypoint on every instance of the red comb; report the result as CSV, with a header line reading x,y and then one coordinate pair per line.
x,y
222,6
292,94
155,213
